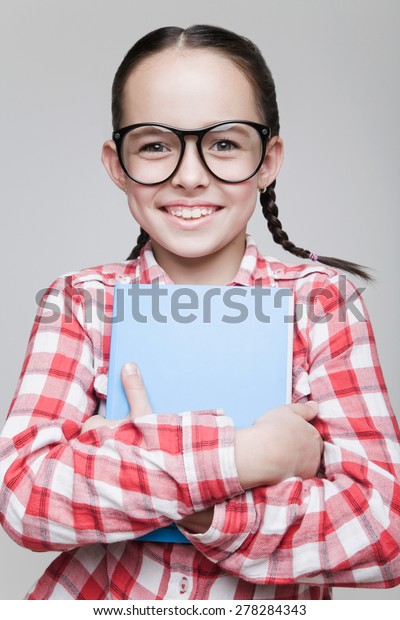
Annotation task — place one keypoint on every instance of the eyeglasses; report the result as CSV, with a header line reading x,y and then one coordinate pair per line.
x,y
232,151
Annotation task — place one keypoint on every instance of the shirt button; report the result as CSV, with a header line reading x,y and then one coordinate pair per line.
x,y
121,279
184,585
100,384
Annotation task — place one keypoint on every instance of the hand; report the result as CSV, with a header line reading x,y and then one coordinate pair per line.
x,y
199,522
137,399
282,443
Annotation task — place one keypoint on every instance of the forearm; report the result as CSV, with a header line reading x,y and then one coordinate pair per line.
x,y
265,454
112,484
250,474
61,487
333,531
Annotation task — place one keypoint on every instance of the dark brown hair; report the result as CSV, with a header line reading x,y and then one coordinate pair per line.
x,y
248,58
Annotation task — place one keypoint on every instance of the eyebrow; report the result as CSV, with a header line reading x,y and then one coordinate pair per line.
x,y
227,127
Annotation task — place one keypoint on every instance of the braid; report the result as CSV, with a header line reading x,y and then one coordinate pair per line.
x,y
270,212
140,243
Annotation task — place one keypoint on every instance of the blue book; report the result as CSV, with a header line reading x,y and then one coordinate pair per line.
x,y
202,347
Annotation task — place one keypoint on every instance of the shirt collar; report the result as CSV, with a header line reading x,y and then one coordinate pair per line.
x,y
149,270
253,268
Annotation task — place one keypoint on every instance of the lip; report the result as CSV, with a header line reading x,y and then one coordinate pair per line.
x,y
190,224
191,204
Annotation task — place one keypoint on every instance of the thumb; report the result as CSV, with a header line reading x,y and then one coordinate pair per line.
x,y
307,410
135,391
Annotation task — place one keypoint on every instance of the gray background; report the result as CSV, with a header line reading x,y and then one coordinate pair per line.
x,y
336,66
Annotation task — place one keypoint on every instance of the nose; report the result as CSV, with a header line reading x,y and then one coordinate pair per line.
x,y
191,172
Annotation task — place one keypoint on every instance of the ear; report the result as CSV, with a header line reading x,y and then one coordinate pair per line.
x,y
272,162
110,160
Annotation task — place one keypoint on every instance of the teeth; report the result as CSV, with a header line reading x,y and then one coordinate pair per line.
x,y
188,214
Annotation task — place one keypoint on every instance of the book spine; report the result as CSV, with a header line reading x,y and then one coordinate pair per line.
x,y
113,374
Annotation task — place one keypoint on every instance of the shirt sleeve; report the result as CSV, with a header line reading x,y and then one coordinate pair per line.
x,y
341,528
61,488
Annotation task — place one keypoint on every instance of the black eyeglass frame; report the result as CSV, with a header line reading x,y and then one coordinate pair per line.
x,y
119,134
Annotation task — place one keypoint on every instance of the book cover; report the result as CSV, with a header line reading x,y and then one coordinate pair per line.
x,y
202,347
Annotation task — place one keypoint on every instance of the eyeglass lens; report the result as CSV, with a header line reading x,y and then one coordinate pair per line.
x,y
231,151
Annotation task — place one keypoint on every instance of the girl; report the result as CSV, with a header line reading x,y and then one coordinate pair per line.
x,y
196,136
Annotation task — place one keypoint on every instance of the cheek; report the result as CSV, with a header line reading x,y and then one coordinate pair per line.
x,y
140,198
244,196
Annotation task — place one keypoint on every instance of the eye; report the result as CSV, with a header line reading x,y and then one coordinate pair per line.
x,y
154,147
224,146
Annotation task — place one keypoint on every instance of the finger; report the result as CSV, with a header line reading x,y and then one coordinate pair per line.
x,y
135,391
308,410
96,421
93,422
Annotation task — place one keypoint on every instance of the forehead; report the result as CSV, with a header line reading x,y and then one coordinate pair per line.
x,y
188,89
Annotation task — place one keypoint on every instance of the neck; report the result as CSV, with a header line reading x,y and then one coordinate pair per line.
x,y
217,268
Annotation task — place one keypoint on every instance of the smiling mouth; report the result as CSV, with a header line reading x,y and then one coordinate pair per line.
x,y
191,213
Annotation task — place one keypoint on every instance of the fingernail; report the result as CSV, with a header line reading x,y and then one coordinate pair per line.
x,y
131,369
314,405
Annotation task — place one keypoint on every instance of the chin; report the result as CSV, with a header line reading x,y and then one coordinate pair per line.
x,y
193,252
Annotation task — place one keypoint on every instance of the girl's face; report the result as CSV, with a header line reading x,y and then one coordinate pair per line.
x,y
188,90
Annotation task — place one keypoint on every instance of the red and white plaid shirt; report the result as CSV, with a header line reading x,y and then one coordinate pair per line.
x,y
91,494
